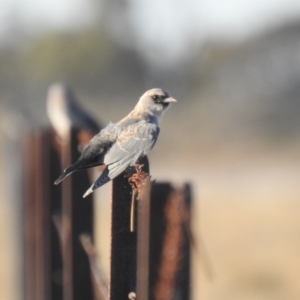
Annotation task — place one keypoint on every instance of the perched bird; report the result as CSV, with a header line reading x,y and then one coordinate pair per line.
x,y
65,113
121,145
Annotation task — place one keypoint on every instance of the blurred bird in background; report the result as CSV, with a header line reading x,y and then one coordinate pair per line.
x,y
121,145
65,113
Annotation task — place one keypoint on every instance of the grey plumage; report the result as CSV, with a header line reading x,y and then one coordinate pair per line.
x,y
120,145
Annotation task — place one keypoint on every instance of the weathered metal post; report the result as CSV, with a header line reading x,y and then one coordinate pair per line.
x,y
143,239
169,242
52,255
83,222
123,241
66,222
36,217
76,218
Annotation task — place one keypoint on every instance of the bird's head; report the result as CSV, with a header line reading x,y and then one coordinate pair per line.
x,y
155,102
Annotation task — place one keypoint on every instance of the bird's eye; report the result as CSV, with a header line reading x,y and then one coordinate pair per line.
x,y
155,97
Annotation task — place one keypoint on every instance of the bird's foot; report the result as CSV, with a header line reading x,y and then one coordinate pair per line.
x,y
138,167
136,179
133,170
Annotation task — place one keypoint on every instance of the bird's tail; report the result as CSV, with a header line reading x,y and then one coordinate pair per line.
x,y
68,171
103,178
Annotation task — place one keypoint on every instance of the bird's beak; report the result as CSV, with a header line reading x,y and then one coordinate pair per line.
x,y
169,100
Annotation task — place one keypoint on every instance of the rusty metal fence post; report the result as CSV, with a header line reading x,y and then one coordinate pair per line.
x,y
123,241
170,242
56,265
36,218
153,262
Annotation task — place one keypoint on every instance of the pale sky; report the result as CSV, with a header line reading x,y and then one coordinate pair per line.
x,y
158,24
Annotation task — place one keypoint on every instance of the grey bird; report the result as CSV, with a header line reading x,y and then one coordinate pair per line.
x,y
121,145
65,112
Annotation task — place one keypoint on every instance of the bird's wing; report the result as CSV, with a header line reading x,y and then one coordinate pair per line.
x,y
136,139
93,154
133,142
99,145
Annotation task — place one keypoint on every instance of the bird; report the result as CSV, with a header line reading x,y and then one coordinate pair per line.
x,y
120,145
64,113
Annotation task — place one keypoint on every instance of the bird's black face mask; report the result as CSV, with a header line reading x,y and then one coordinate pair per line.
x,y
160,100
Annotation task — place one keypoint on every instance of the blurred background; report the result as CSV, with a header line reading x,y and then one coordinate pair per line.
x,y
234,68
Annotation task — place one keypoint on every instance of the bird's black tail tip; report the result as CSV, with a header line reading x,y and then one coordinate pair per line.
x,y
57,181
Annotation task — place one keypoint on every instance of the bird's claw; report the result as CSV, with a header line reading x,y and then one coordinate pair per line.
x,y
136,179
138,167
